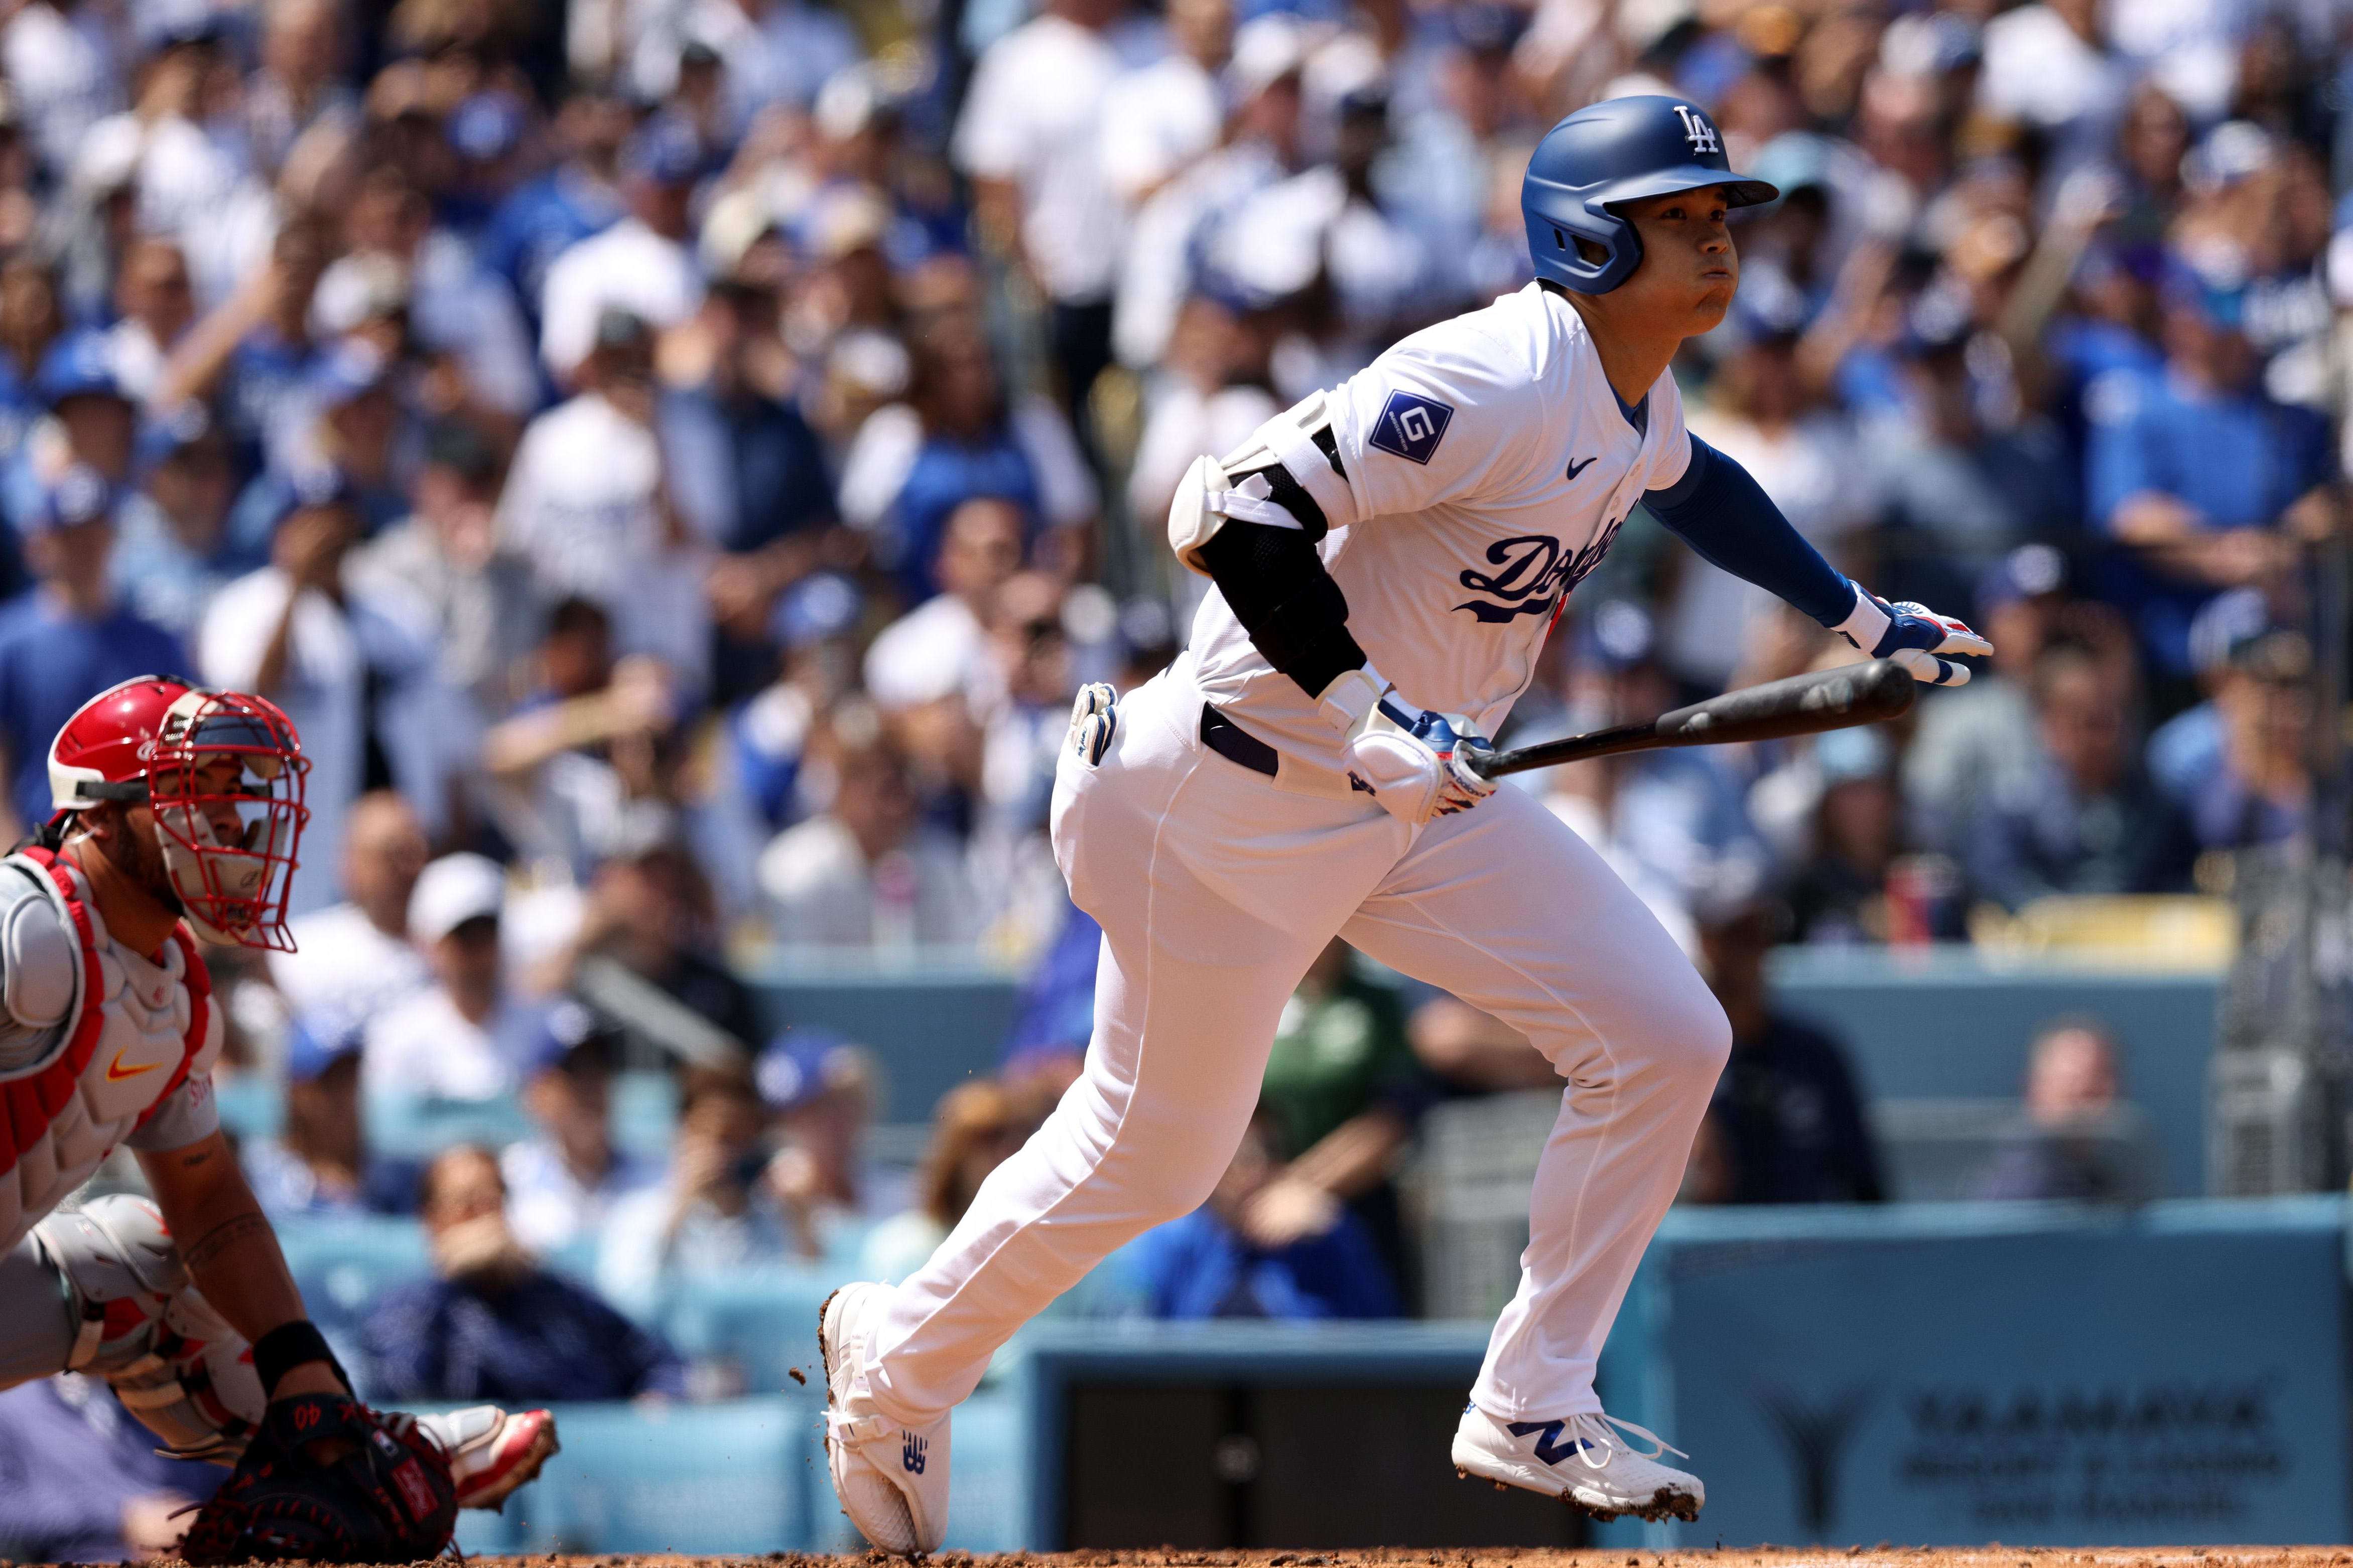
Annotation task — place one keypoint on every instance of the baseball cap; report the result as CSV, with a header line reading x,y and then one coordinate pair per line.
x,y
2028,572
354,290
352,369
820,605
569,1034
664,152
1266,49
1617,636
1850,756
801,1065
2225,623
310,485
452,891
79,495
313,1046
82,365
486,126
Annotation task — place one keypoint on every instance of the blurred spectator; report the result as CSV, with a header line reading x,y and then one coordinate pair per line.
x,y
546,215
1669,822
580,768
867,872
976,1129
1322,1264
1838,893
459,1040
2257,787
176,551
2090,821
92,426
444,558
1345,1092
819,1093
1023,730
80,1481
564,1180
815,624
154,306
714,1211
747,472
1786,1125
2195,471
958,436
937,652
494,1324
651,914
353,962
1157,118
351,669
588,510
638,266
319,1162
2071,1087
1029,138
68,638
2186,751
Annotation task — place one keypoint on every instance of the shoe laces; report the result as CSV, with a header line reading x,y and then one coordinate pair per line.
x,y
1592,1431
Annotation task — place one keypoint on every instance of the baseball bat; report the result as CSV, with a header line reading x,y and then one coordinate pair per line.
x,y
1802,705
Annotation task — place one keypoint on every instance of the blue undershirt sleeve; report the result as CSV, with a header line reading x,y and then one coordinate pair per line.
x,y
1725,515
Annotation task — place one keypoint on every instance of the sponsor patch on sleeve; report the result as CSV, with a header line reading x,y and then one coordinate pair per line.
x,y
1411,425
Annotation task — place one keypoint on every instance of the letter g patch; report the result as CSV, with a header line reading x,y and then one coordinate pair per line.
x,y
1411,425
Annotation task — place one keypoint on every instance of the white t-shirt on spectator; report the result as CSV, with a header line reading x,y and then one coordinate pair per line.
x,y
330,651
2037,70
936,650
579,510
883,452
1156,122
60,75
1034,117
343,971
821,892
547,1205
627,267
427,1048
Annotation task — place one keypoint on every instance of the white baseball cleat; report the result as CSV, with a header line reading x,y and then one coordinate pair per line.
x,y
492,1451
1580,1460
892,1481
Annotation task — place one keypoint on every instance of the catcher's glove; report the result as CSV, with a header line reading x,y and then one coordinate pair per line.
x,y
383,1496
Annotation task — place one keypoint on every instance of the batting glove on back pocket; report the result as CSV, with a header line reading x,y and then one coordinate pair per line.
x,y
1912,635
1094,720
1416,764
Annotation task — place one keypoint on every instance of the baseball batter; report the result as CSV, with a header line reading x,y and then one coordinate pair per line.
x,y
1387,559
179,813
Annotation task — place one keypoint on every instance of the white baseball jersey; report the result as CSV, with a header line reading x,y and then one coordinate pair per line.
x,y
1488,464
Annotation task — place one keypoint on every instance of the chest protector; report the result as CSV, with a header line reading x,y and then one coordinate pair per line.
x,y
133,1031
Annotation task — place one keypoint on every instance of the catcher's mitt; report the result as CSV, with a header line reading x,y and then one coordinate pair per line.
x,y
383,1496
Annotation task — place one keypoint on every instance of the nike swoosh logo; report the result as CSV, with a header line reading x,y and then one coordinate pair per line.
x,y
1576,469
116,1072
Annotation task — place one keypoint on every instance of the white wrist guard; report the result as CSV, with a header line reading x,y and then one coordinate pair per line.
x,y
1352,698
1866,623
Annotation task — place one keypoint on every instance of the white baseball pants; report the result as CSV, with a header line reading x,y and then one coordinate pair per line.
x,y
1215,889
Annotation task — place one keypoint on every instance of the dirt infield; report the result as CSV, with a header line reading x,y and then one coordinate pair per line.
x,y
1993,1556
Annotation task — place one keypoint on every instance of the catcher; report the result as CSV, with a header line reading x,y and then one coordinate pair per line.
x,y
178,815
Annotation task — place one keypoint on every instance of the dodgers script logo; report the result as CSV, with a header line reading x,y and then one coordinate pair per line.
x,y
1697,131
1412,427
1535,574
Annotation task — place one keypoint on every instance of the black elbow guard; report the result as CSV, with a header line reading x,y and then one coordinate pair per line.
x,y
1277,588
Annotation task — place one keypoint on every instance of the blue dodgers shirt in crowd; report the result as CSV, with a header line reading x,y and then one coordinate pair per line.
x,y
1197,1267
51,662
540,1338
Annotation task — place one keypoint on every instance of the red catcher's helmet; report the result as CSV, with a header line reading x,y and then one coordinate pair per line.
x,y
142,742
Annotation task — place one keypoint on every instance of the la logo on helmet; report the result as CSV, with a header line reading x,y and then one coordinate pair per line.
x,y
1697,131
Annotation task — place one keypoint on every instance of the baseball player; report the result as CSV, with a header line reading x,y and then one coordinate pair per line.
x,y
1387,559
178,813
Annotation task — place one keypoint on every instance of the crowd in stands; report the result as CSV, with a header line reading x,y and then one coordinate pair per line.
x,y
675,460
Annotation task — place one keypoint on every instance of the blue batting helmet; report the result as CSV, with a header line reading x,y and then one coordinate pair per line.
x,y
1620,150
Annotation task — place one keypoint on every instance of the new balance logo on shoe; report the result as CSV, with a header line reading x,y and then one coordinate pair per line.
x,y
910,1453
1545,1450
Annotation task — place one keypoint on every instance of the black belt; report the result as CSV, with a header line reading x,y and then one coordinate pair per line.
x,y
1234,743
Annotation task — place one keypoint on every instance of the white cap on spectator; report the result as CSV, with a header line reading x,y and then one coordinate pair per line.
x,y
452,891
1266,49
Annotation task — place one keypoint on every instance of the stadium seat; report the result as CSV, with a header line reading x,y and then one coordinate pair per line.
x,y
736,1478
759,1323
418,1127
